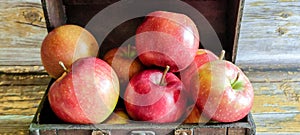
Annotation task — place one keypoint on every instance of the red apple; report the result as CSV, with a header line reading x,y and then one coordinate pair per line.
x,y
125,62
196,116
203,56
119,116
66,43
225,92
147,99
167,38
87,94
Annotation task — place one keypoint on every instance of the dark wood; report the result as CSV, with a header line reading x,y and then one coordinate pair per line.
x,y
222,15
210,131
54,13
88,2
236,131
47,132
235,14
73,132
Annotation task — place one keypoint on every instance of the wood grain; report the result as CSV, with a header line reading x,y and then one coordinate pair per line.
x,y
268,51
21,91
22,27
270,32
276,97
271,73
14,124
278,122
20,100
22,78
276,107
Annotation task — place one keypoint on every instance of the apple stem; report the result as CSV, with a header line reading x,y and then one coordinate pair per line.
x,y
236,79
221,57
63,66
164,75
128,50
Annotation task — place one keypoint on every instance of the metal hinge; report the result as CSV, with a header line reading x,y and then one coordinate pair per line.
x,y
183,132
100,132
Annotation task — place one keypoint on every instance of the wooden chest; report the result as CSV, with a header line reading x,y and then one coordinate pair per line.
x,y
223,15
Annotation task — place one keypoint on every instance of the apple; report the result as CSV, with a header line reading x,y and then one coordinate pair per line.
x,y
167,38
66,43
203,56
87,94
195,116
154,96
225,92
119,116
125,62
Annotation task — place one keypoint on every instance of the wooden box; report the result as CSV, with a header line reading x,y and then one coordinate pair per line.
x,y
223,15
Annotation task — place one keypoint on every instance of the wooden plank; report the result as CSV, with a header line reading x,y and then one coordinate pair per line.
x,y
276,97
24,79
271,73
14,124
22,27
13,69
277,122
74,132
270,32
47,132
276,88
210,131
236,131
20,100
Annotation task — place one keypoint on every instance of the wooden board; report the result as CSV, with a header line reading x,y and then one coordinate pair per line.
x,y
268,50
270,32
14,124
21,91
277,97
22,78
22,27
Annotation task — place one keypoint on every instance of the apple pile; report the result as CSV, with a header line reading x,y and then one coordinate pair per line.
x,y
86,89
164,77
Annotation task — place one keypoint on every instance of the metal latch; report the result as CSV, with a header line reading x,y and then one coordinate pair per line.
x,y
141,132
183,132
100,132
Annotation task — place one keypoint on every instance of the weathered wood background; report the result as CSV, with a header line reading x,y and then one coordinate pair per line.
x,y
22,78
270,32
268,52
